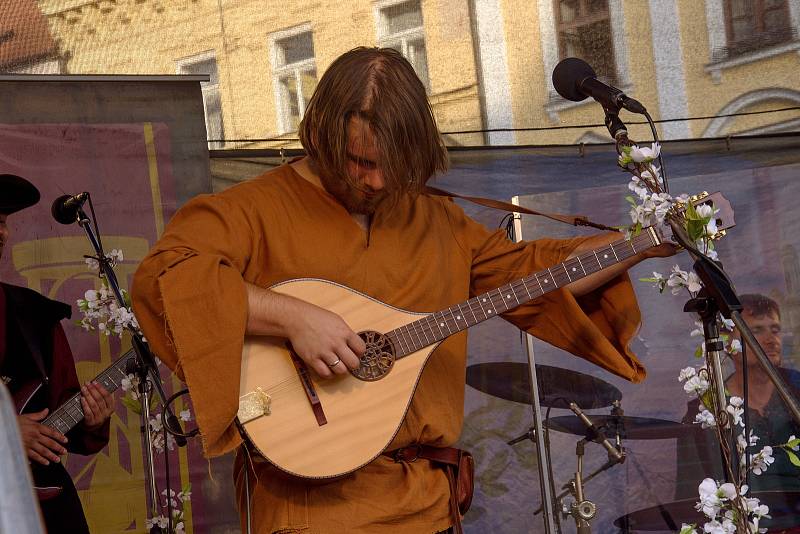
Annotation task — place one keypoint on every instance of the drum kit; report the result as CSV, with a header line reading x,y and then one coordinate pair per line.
x,y
564,388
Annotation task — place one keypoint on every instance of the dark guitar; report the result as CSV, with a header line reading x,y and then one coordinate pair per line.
x,y
68,415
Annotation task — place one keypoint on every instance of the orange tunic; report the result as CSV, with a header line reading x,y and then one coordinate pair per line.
x,y
423,254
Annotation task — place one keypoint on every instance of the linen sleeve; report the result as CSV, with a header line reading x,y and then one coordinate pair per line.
x,y
190,300
597,326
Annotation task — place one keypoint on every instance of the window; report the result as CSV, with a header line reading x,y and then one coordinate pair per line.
x,y
294,75
400,27
212,101
584,31
754,24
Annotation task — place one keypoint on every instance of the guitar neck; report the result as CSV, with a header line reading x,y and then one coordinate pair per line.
x,y
65,417
442,324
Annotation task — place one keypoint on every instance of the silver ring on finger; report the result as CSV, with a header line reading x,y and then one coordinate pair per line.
x,y
334,364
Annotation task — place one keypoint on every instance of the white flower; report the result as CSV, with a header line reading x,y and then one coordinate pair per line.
x,y
696,385
727,491
115,255
704,210
159,520
687,372
715,527
705,418
179,528
735,410
755,507
688,529
186,415
735,347
155,423
761,461
727,324
644,154
185,496
792,438
693,283
710,503
741,445
637,187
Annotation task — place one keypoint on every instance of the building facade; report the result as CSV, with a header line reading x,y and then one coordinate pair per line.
x,y
487,64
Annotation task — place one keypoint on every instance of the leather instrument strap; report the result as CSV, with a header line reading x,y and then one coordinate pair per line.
x,y
574,220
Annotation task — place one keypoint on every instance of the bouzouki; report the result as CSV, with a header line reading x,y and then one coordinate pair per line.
x,y
70,413
316,428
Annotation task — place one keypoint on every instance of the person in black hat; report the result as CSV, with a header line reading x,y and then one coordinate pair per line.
x,y
37,366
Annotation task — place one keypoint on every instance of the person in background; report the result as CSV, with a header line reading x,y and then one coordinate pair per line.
x,y
37,366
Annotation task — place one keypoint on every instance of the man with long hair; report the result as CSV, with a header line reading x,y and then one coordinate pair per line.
x,y
354,211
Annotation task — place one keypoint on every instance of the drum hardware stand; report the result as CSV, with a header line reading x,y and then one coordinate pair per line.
x,y
530,434
581,509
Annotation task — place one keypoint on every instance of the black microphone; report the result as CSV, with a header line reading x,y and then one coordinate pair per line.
x,y
574,79
65,208
599,436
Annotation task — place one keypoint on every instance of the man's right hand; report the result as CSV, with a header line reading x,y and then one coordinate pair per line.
x,y
42,443
320,337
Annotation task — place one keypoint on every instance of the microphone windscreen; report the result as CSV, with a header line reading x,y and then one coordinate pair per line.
x,y
61,213
567,76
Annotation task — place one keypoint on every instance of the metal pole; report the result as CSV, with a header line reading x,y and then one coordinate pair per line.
x,y
541,450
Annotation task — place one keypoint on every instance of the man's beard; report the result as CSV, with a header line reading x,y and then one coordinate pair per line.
x,y
354,200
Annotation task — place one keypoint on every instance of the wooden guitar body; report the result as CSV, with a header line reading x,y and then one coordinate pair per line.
x,y
362,416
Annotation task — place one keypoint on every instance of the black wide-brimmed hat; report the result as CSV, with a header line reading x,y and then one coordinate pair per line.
x,y
16,194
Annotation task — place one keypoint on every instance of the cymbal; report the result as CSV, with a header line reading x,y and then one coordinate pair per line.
x,y
557,387
631,427
784,507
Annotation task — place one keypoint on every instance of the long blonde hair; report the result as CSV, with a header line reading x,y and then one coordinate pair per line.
x,y
379,86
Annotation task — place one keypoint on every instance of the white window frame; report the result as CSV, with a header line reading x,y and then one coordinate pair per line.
x,y
46,66
718,38
549,39
293,68
403,37
207,89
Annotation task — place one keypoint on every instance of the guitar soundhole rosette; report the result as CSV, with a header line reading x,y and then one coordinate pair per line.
x,y
377,360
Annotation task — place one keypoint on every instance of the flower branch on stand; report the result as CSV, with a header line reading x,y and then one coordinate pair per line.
x,y
726,505
101,312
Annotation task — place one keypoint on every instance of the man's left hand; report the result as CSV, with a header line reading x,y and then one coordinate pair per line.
x,y
97,404
664,250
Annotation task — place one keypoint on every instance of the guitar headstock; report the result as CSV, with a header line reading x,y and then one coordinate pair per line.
x,y
723,210
689,229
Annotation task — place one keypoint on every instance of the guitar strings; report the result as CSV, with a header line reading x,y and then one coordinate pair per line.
x,y
421,328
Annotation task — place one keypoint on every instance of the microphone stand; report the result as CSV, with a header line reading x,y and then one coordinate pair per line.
x,y
145,367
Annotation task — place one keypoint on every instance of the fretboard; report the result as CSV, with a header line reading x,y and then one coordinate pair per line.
x,y
442,324
65,417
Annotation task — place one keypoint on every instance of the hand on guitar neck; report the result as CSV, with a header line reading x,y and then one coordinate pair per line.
x,y
44,444
321,338
593,281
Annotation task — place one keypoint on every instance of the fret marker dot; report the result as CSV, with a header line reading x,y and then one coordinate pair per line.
x,y
490,311
441,324
484,300
574,269
605,256
546,280
508,296
458,317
